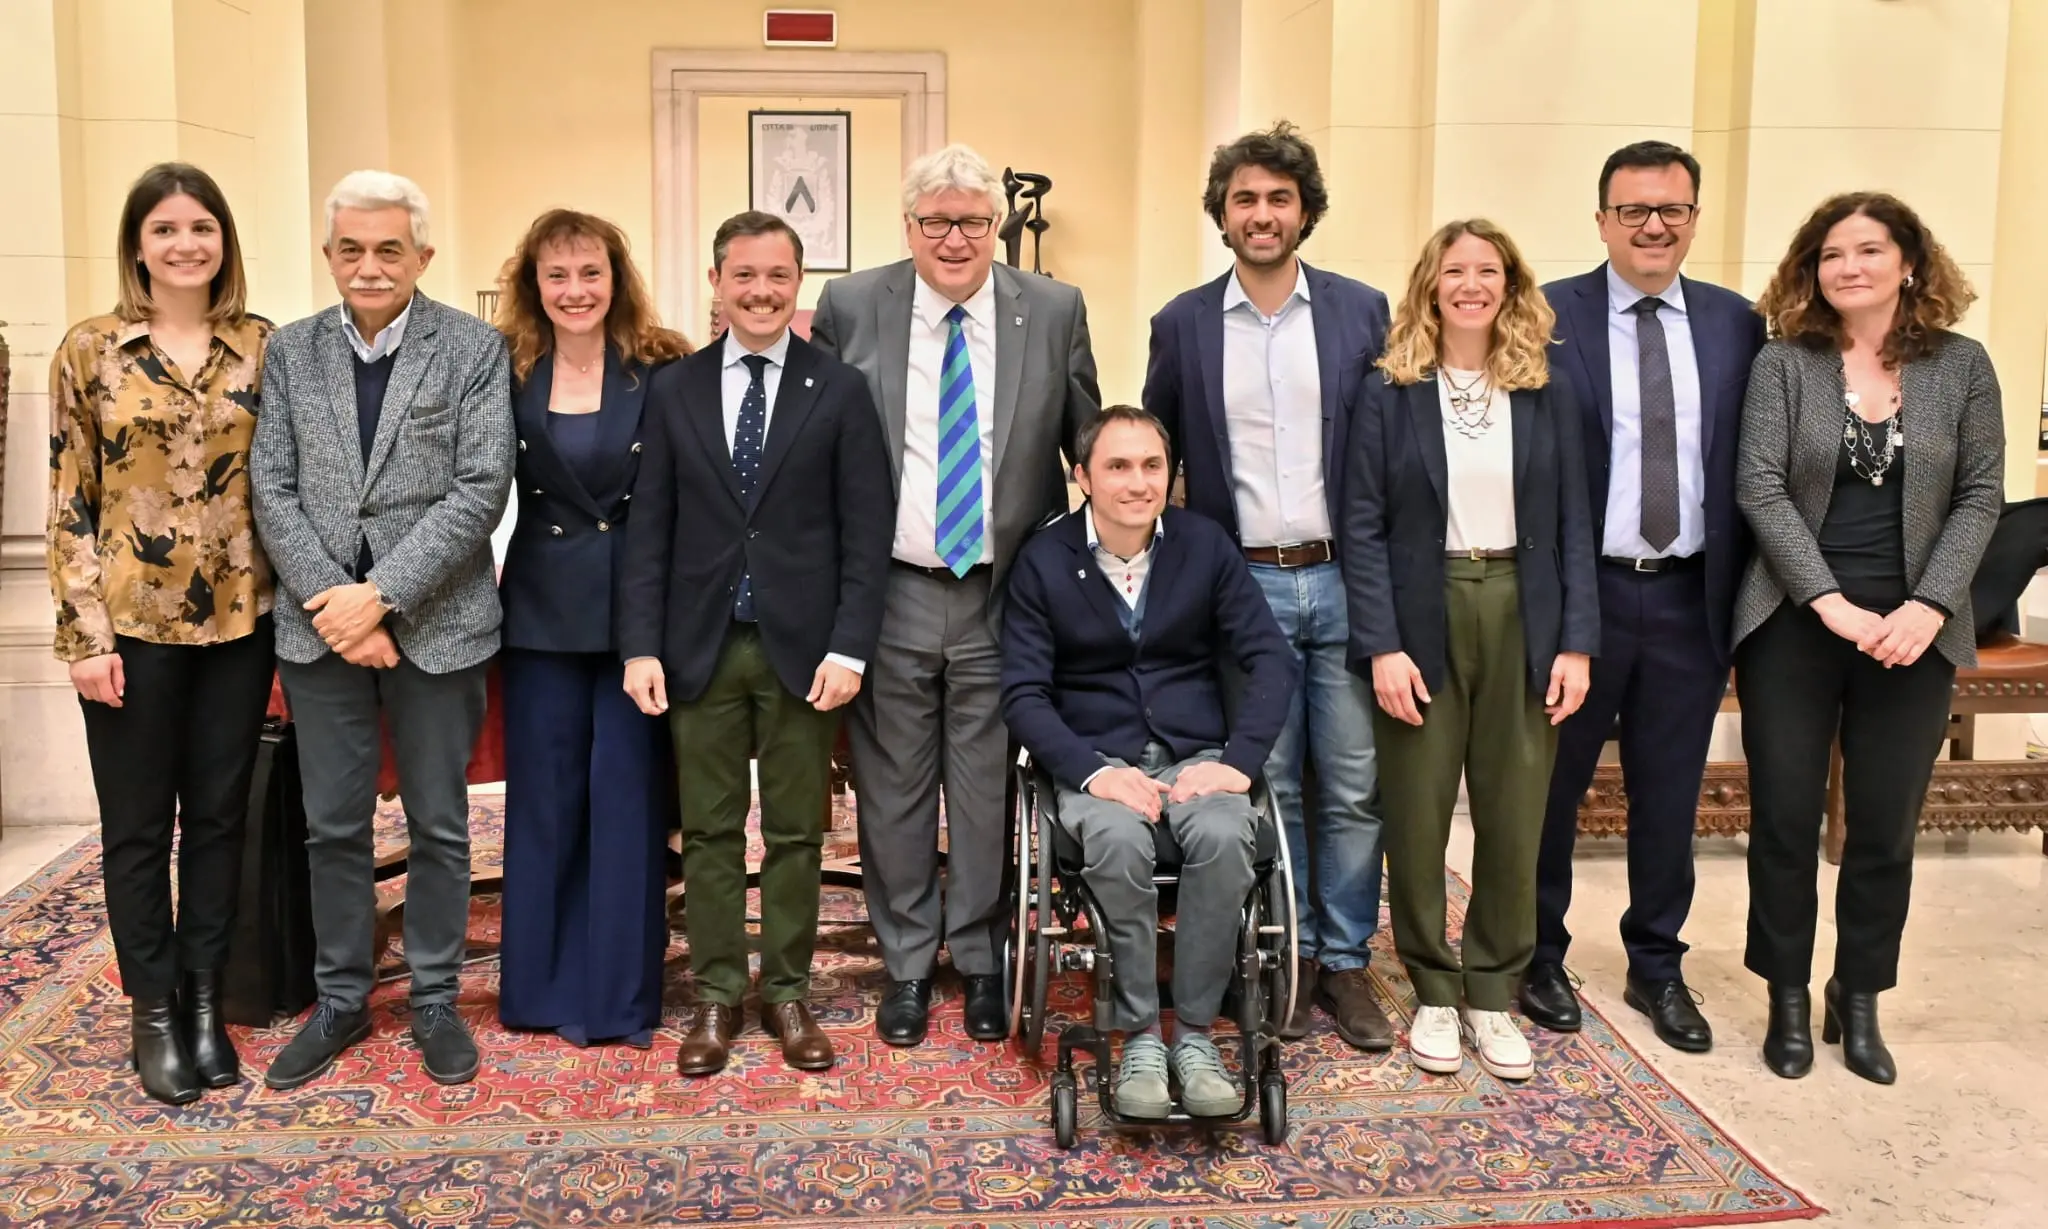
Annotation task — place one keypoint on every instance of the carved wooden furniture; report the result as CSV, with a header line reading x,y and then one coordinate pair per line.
x,y
1966,794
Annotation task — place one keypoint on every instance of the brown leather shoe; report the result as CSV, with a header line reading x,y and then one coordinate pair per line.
x,y
1303,1021
804,1044
1347,996
704,1050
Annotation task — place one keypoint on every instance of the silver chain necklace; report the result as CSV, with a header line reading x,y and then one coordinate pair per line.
x,y
1868,459
1470,411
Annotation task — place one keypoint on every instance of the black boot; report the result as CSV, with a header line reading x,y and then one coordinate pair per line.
x,y
1788,1043
158,1053
206,1031
1851,1018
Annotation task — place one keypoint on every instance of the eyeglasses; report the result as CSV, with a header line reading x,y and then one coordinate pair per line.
x,y
970,228
1639,215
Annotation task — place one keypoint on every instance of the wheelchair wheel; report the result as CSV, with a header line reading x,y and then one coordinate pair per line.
x,y
1066,1110
1272,1109
1032,973
1017,943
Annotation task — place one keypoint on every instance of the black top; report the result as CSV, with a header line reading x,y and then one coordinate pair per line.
x,y
372,379
577,442
1863,535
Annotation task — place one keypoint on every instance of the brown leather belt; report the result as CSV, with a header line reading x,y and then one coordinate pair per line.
x,y
1292,555
1503,553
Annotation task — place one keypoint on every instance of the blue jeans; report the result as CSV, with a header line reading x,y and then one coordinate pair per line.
x,y
1337,896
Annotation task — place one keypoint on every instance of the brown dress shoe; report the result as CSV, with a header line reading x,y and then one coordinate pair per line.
x,y
704,1050
804,1044
1303,1021
1347,996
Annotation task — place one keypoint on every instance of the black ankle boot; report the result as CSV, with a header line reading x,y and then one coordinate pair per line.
x,y
159,1055
1788,1043
1851,1019
206,1031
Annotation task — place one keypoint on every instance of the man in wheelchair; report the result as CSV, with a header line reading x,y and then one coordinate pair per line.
x,y
1118,619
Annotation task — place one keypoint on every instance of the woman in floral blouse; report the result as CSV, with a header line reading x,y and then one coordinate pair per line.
x,y
163,605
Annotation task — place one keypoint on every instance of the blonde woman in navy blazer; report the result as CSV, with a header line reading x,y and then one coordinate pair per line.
x,y
588,785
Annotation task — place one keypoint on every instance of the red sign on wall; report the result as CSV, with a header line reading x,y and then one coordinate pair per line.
x,y
800,28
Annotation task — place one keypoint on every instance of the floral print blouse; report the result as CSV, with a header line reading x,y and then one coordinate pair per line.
x,y
151,534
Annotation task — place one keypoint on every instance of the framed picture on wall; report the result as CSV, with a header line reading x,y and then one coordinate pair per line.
x,y
798,165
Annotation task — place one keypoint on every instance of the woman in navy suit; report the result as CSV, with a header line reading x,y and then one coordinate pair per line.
x,y
588,785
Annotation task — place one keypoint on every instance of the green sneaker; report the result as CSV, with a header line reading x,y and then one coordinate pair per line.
x,y
1141,1090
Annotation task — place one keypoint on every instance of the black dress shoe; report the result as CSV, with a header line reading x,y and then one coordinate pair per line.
x,y
1788,1043
988,1019
325,1036
1850,1017
905,1012
1669,1006
206,1030
1548,999
158,1053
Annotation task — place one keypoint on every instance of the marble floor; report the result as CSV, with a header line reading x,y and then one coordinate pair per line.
x,y
1961,1140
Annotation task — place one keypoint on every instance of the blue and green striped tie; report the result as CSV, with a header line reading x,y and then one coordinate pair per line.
x,y
959,538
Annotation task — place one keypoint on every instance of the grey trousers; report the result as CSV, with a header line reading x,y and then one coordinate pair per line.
x,y
434,722
1216,834
930,712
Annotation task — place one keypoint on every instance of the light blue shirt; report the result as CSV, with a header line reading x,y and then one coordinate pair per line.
x,y
1273,412
387,338
1624,537
734,376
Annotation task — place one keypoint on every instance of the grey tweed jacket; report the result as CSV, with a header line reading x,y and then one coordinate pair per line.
x,y
426,498
1954,462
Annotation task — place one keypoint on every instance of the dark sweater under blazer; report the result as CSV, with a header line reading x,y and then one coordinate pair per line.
x,y
1396,516
567,555
1077,686
815,537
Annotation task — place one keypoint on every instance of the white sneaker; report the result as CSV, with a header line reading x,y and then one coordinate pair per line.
x,y
1433,1040
1502,1049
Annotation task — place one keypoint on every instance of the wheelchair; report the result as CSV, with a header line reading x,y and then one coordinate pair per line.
x,y
1055,926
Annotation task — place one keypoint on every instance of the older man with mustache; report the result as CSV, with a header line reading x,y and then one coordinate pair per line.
x,y
382,460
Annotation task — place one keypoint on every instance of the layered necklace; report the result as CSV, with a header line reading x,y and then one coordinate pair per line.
x,y
1872,458
1470,405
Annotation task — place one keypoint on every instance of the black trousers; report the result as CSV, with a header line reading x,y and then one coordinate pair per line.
x,y
1801,686
1658,674
178,752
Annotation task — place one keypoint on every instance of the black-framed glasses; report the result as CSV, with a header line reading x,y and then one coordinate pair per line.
x,y
971,228
1639,215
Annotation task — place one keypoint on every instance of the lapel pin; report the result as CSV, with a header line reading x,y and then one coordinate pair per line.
x,y
808,381
1082,573
1020,320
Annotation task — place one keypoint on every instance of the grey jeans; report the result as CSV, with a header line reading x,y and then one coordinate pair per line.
x,y
1215,833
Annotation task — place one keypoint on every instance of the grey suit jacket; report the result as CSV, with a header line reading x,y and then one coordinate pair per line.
x,y
1045,388
1954,461
426,498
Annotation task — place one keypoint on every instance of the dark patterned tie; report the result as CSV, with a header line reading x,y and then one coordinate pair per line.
x,y
1659,426
746,460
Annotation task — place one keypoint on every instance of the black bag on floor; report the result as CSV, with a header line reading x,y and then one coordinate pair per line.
x,y
269,975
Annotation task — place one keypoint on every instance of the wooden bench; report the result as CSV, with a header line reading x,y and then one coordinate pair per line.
x,y
1965,795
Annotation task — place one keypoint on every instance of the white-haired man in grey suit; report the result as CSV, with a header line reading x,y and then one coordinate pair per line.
x,y
382,460
982,375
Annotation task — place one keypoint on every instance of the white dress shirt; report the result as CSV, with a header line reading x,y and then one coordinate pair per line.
x,y
734,377
1479,473
917,507
1623,537
1126,576
387,338
1273,408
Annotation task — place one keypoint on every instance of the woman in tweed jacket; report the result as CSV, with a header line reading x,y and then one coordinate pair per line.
x,y
1871,470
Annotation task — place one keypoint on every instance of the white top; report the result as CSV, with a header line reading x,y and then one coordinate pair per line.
x,y
384,343
1623,535
1126,576
917,508
1479,473
1273,409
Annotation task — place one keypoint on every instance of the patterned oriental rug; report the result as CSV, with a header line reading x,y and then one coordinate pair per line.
x,y
953,1133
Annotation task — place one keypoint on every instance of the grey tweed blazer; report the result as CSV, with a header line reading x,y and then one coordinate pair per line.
x,y
427,496
1954,461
